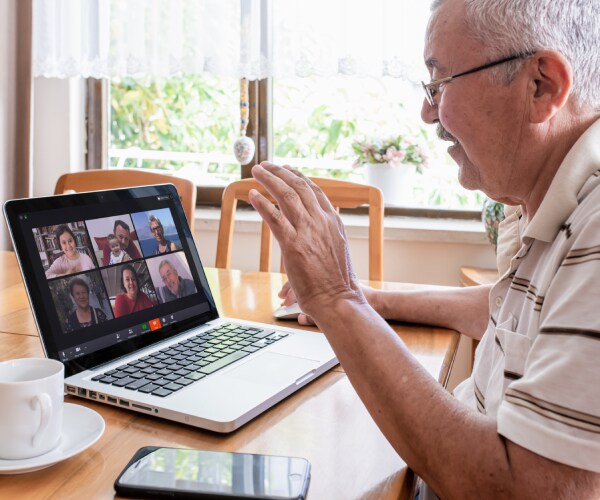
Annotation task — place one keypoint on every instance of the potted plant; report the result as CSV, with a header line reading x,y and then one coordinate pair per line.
x,y
391,164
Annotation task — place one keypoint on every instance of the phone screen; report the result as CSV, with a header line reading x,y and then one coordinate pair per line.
x,y
211,472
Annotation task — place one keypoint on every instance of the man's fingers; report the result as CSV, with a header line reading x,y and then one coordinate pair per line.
x,y
284,290
286,197
298,186
287,294
306,320
279,225
290,298
318,192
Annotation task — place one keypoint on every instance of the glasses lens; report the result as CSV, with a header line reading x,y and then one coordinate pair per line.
x,y
428,93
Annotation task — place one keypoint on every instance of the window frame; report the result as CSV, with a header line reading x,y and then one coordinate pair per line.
x,y
96,123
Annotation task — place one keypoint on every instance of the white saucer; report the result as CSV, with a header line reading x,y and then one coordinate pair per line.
x,y
81,428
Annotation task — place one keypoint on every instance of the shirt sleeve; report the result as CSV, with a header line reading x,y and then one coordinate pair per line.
x,y
554,408
56,269
87,263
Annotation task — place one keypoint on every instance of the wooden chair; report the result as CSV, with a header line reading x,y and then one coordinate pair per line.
x,y
342,194
93,180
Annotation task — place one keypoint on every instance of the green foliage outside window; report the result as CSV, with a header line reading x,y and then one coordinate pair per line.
x,y
185,114
321,138
200,114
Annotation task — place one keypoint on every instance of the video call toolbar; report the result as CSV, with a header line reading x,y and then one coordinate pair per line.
x,y
132,332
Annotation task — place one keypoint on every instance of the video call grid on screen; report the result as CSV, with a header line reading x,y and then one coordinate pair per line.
x,y
140,226
100,280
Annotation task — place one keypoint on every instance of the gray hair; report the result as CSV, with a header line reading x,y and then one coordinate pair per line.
x,y
165,262
571,27
154,218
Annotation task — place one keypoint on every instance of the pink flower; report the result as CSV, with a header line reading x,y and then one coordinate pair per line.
x,y
393,156
394,151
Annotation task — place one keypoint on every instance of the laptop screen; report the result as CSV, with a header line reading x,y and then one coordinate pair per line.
x,y
109,272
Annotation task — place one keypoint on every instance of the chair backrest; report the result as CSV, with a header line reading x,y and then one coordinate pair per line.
x,y
93,180
342,194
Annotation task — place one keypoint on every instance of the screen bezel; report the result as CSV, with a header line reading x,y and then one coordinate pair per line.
x,y
15,208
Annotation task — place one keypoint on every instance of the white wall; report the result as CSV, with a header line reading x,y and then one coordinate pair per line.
x,y
7,123
58,131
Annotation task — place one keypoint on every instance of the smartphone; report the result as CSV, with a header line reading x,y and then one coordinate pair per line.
x,y
156,472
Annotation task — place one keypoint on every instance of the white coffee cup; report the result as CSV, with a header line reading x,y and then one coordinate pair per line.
x,y
31,407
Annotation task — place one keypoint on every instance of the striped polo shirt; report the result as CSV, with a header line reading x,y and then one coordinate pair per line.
x,y
537,367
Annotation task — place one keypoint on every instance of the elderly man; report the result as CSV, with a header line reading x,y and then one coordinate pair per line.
x,y
515,89
175,286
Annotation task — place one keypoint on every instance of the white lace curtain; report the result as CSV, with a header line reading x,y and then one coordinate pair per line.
x,y
239,38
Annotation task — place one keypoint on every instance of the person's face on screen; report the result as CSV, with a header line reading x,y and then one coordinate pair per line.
x,y
115,246
130,283
170,277
123,236
81,296
157,230
67,245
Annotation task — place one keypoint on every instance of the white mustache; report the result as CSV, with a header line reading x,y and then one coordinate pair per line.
x,y
444,135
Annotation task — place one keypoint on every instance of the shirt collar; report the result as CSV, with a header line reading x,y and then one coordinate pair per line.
x,y
561,199
509,238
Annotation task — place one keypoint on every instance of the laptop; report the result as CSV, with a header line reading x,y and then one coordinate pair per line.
x,y
120,296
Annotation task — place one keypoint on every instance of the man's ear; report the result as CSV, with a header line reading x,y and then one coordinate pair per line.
x,y
551,80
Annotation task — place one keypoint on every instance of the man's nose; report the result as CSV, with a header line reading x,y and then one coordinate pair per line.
x,y
429,113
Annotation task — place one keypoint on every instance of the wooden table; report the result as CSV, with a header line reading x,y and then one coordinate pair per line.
x,y
324,422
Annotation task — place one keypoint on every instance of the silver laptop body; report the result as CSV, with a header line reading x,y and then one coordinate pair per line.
x,y
250,366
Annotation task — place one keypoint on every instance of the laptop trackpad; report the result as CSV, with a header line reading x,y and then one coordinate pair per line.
x,y
274,368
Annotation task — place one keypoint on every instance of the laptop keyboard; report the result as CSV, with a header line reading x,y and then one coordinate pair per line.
x,y
171,369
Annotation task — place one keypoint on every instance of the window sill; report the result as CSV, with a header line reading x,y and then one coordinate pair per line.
x,y
396,228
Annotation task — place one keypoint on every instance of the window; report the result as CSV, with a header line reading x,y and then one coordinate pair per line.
x,y
188,125
335,70
181,124
316,120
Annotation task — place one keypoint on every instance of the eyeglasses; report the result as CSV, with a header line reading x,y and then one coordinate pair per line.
x,y
155,228
434,87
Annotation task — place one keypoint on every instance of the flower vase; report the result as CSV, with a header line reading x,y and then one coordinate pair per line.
x,y
395,181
